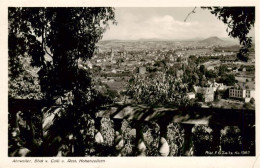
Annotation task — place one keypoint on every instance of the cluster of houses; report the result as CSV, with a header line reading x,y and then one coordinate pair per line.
x,y
208,93
132,61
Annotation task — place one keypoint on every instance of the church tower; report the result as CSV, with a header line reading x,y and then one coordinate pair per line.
x,y
111,55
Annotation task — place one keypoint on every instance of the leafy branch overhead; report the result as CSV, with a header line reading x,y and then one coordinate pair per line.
x,y
239,21
55,39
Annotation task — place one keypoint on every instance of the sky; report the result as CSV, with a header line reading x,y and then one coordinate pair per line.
x,y
135,23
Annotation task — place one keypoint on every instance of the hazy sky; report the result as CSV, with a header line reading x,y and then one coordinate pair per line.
x,y
164,23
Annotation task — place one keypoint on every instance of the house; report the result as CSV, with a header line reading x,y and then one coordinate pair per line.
x,y
241,93
114,71
249,95
191,95
217,86
142,70
210,68
207,93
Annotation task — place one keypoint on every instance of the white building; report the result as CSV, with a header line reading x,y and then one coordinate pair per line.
x,y
191,95
239,93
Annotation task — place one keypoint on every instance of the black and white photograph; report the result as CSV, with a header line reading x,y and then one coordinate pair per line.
x,y
131,81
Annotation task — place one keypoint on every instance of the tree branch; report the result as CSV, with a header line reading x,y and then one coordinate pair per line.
x,y
193,11
44,36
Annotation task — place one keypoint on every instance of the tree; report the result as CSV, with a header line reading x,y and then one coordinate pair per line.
x,y
55,43
202,69
210,74
222,70
252,100
217,95
239,22
230,80
161,89
55,40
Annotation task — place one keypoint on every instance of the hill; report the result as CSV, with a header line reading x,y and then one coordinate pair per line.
x,y
216,41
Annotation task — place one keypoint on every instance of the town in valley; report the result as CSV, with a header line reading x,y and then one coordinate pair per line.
x,y
208,70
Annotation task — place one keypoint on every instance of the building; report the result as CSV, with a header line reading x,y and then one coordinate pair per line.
x,y
236,93
191,95
142,70
111,55
217,86
211,68
207,93
242,94
249,95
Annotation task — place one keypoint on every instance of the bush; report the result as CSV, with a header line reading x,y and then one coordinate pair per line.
x,y
128,138
230,139
202,139
252,100
107,131
151,137
88,132
175,138
161,89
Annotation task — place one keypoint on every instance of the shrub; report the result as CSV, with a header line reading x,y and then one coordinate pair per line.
x,y
175,138
151,137
161,89
107,131
252,100
230,139
202,139
88,132
128,138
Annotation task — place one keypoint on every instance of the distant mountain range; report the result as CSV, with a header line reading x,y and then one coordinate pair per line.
x,y
208,41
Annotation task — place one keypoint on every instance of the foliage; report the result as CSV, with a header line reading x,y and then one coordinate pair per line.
x,y
202,69
21,130
107,131
87,129
175,138
161,89
202,139
127,149
151,137
55,40
239,22
222,70
210,74
230,139
248,105
24,85
113,94
56,43
228,80
128,138
126,130
252,100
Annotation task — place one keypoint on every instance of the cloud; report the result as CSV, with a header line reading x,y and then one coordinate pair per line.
x,y
133,27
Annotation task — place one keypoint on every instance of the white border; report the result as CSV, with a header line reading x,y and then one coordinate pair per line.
x,y
125,162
